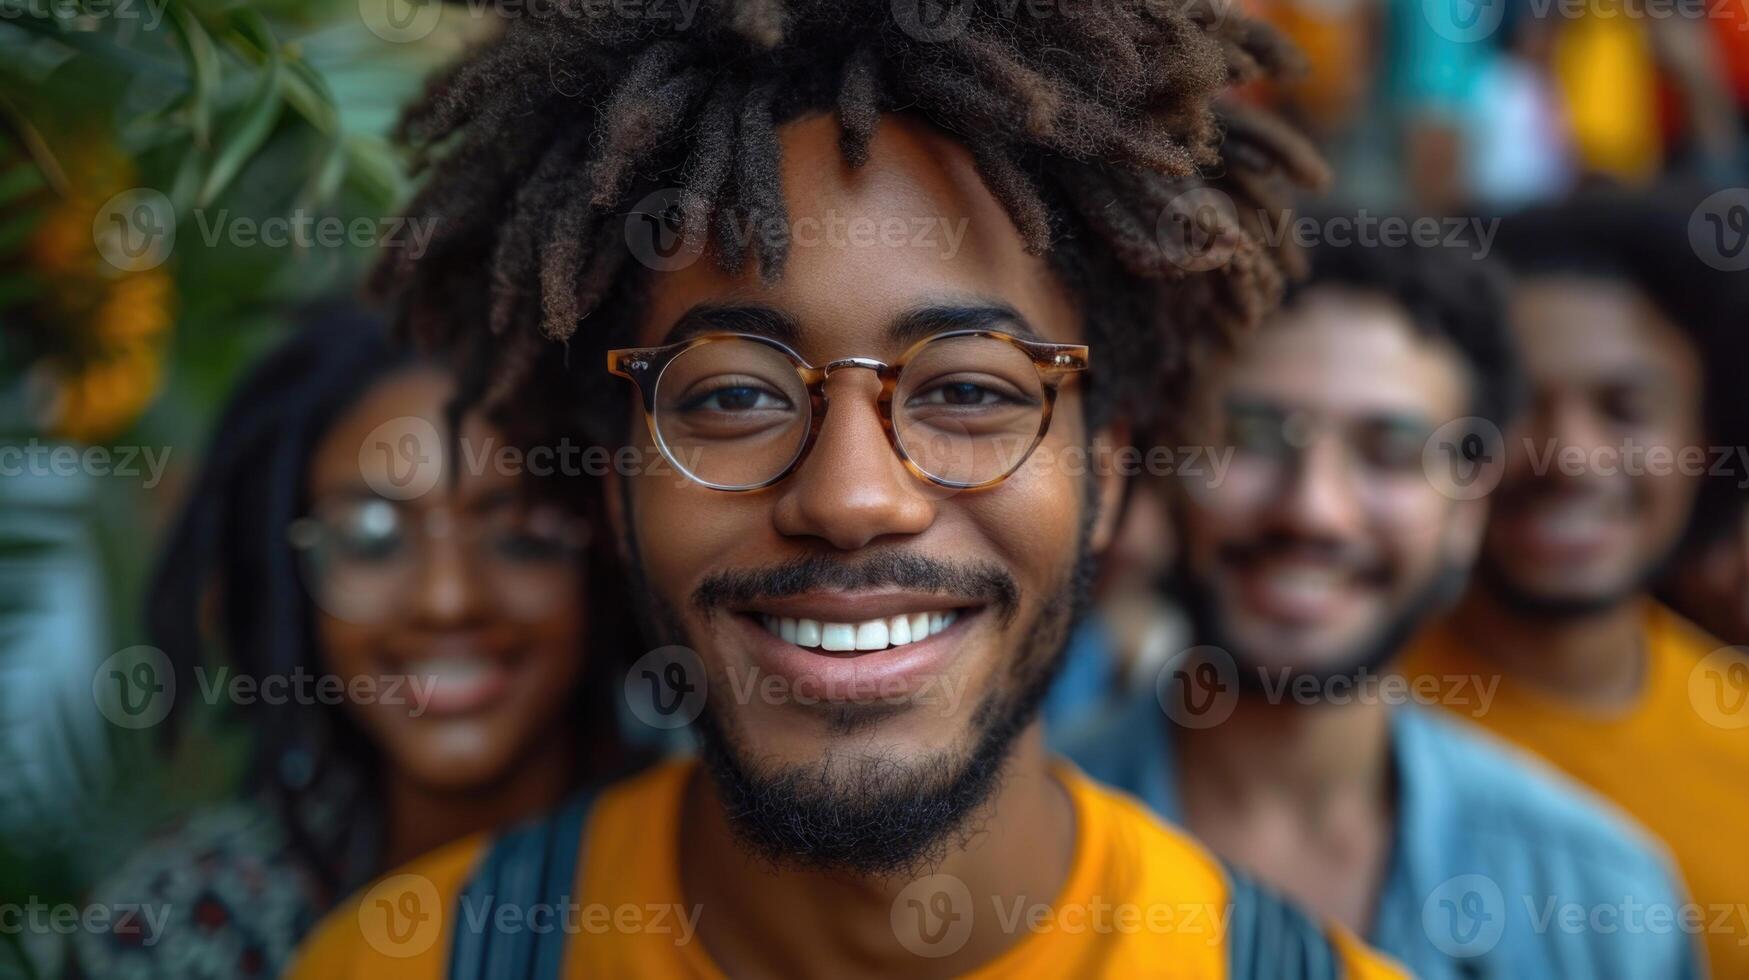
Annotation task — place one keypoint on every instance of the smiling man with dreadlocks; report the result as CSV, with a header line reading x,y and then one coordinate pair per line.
x,y
884,281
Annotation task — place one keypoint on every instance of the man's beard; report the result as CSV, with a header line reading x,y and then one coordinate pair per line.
x,y
1542,606
1550,607
1209,628
877,815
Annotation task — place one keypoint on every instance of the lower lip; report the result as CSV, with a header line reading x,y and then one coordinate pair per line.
x,y
877,675
442,696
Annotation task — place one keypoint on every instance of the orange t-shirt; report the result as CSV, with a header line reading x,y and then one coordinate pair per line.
x,y
1141,900
1677,759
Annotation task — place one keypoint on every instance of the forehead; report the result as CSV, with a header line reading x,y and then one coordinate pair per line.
x,y
1344,352
915,226
399,423
1584,330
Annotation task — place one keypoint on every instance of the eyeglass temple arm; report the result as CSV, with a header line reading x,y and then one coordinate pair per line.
x,y
1058,361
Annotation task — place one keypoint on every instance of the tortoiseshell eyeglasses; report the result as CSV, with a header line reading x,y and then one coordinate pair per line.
x,y
737,412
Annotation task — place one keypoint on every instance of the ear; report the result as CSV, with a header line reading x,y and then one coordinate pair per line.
x,y
1108,493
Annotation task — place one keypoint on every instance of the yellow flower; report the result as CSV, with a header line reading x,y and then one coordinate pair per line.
x,y
108,326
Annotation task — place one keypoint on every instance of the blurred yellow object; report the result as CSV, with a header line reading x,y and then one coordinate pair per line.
x,y
1604,67
1676,759
109,325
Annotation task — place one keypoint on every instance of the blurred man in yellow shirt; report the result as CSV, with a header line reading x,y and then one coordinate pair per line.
x,y
868,387
1634,435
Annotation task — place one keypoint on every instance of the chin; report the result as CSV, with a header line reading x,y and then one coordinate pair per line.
x,y
454,763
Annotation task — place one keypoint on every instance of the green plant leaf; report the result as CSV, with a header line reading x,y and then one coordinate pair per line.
x,y
21,180
258,117
203,62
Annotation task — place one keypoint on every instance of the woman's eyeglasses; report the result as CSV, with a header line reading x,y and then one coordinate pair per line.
x,y
363,558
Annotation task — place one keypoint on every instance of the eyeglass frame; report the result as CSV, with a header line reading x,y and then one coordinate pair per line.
x,y
1055,364
304,535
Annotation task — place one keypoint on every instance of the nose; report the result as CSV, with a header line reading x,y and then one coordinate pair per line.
x,y
1570,426
1318,495
852,490
447,589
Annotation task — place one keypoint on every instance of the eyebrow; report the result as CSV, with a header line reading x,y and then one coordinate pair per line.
x,y
1399,418
974,314
908,328
763,321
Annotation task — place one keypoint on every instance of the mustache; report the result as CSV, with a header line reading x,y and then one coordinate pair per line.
x,y
978,582
1275,543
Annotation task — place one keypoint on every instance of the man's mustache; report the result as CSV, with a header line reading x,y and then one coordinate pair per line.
x,y
976,582
1275,545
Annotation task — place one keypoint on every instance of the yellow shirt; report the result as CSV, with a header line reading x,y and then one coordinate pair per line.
x,y
1677,759
1141,901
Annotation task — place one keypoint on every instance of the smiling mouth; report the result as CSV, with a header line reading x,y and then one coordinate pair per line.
x,y
859,637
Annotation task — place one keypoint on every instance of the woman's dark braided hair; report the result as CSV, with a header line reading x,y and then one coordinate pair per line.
x,y
1087,118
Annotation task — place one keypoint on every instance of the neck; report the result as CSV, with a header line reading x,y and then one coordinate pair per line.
x,y
765,921
1596,660
1312,759
1301,795
421,816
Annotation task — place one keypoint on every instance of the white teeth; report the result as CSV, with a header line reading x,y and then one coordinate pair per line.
x,y
899,630
873,634
919,626
449,668
837,636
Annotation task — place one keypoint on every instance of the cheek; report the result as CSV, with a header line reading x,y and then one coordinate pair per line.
x,y
349,651
1669,500
557,640
346,648
1418,548
1209,522
1034,519
681,529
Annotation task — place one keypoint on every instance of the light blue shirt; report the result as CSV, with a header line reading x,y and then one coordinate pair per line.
x,y
1501,867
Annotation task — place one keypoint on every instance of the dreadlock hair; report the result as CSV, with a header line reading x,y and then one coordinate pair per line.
x,y
1086,121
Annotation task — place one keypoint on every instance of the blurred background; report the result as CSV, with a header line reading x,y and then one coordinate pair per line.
x,y
142,140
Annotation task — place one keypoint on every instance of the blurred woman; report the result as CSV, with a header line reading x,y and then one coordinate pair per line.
x,y
409,607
